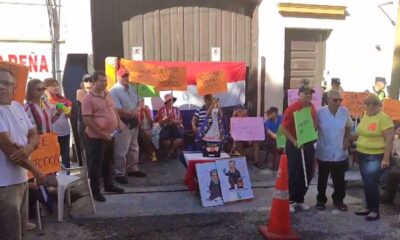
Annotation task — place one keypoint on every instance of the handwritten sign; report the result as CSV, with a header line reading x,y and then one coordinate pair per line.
x,y
293,96
211,82
247,128
20,73
392,108
171,78
354,101
305,131
47,156
140,72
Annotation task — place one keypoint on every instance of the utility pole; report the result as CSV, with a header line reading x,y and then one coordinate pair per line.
x,y
395,82
53,11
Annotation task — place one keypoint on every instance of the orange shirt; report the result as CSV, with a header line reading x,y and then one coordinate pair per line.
x,y
102,110
288,116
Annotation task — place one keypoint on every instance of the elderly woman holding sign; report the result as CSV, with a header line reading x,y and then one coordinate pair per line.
x,y
374,145
300,172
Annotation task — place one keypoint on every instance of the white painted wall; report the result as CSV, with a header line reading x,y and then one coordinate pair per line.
x,y
351,52
27,21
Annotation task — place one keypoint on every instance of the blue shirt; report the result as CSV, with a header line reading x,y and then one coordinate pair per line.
x,y
124,98
331,133
272,125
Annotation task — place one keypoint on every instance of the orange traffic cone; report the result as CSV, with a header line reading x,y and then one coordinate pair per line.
x,y
279,219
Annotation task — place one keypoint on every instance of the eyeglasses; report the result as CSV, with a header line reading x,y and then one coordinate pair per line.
x,y
337,100
40,89
6,83
371,103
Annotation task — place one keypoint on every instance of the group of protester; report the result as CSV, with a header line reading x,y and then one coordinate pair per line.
x,y
373,138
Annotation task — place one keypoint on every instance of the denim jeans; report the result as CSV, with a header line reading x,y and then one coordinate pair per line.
x,y
370,169
64,150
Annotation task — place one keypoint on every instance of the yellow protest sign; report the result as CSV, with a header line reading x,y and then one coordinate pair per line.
x,y
354,101
171,78
20,73
47,156
111,71
140,72
211,82
392,108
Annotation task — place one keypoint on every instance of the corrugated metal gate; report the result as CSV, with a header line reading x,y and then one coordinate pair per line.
x,y
179,30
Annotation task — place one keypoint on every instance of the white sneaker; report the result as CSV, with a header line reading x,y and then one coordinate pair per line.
x,y
303,206
291,207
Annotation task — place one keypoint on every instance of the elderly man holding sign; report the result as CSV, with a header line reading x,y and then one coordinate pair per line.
x,y
334,122
300,146
18,139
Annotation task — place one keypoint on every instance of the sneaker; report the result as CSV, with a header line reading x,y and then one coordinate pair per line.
x,y
291,207
320,206
303,206
122,179
114,189
137,174
99,197
341,206
30,226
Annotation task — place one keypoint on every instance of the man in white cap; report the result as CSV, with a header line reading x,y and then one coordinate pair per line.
x,y
170,119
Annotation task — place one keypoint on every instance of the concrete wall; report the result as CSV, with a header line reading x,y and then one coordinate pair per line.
x,y
351,48
25,34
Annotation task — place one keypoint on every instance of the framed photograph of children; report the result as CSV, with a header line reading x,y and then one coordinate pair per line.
x,y
209,184
235,179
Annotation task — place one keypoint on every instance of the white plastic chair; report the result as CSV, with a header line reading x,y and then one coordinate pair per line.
x,y
64,182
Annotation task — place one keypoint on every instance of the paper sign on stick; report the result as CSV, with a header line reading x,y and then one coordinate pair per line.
x,y
140,72
280,139
20,73
247,128
145,90
293,96
211,82
47,156
354,101
392,108
171,78
305,131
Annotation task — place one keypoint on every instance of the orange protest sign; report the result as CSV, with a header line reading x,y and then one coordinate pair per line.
x,y
211,82
140,72
47,155
354,101
20,73
392,108
172,78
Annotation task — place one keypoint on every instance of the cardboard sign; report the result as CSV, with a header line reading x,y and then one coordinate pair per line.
x,y
140,72
392,108
280,139
171,78
354,101
305,131
145,90
111,71
47,155
211,82
20,73
247,128
293,96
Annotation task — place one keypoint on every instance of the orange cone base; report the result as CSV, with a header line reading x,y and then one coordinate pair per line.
x,y
267,235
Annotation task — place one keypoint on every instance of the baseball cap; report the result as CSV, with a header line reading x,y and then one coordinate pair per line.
x,y
380,79
271,110
335,81
306,89
86,77
122,72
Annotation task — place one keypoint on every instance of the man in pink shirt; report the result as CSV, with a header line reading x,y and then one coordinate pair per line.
x,y
101,120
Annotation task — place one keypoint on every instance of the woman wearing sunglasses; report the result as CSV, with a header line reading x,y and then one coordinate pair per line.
x,y
374,146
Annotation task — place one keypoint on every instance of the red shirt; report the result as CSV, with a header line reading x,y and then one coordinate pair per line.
x,y
288,116
172,113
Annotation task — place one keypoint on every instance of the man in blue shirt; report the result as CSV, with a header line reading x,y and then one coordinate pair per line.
x,y
273,122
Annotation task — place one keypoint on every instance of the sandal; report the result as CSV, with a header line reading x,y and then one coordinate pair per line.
x,y
320,206
372,216
362,212
341,206
259,165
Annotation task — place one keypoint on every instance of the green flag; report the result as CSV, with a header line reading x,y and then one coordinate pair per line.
x,y
304,123
145,90
280,139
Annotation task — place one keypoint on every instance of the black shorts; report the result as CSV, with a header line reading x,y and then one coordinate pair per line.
x,y
171,132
